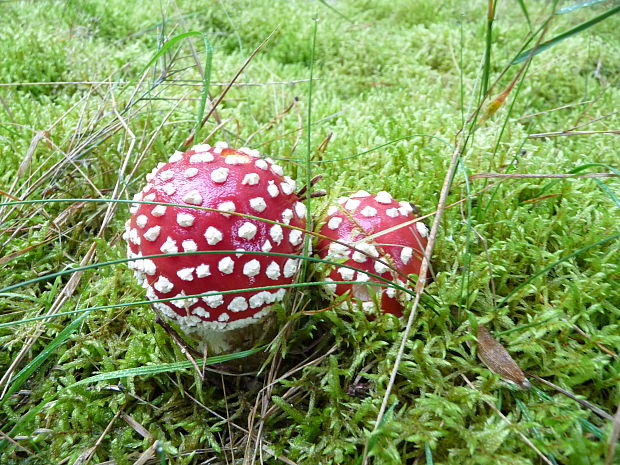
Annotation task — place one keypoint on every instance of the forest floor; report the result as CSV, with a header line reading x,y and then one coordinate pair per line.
x,y
385,95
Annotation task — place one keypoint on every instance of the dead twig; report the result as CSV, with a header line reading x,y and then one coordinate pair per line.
x,y
572,133
540,176
587,336
85,456
599,411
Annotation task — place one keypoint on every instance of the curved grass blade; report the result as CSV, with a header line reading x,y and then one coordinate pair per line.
x,y
203,294
565,35
198,252
242,215
164,48
164,367
608,191
130,372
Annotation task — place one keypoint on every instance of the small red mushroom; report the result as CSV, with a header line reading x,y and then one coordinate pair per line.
x,y
230,181
360,221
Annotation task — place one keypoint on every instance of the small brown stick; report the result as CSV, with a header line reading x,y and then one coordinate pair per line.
x,y
544,197
420,284
313,182
572,133
137,427
148,454
587,123
323,145
7,258
532,115
275,120
215,129
186,349
314,195
587,336
540,176
85,456
8,438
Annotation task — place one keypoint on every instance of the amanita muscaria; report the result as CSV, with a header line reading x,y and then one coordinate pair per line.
x,y
229,181
369,223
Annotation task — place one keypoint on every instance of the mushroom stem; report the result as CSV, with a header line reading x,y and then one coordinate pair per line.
x,y
238,339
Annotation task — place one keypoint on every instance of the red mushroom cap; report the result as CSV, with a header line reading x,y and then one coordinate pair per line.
x,y
356,219
230,181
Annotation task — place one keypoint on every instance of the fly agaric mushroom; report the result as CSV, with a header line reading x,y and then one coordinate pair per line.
x,y
360,221
229,181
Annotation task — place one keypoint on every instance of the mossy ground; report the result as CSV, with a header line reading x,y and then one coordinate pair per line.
x,y
385,71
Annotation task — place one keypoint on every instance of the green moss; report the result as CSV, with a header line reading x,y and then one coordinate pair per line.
x,y
394,83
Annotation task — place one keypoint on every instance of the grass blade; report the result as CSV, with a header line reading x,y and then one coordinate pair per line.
x,y
486,68
565,35
19,379
428,453
614,198
525,13
308,163
578,6
164,367
338,12
138,371
164,48
205,86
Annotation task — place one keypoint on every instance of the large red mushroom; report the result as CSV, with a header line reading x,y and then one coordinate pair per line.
x,y
229,181
369,238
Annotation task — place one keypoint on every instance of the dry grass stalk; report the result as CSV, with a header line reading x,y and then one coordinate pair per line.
x,y
540,176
